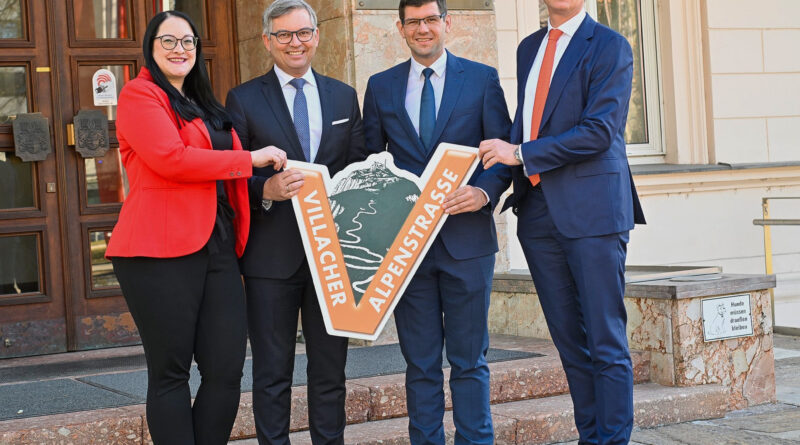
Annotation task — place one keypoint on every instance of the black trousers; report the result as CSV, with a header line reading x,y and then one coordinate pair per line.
x,y
190,306
272,308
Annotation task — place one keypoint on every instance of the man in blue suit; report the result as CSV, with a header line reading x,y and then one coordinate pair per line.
x,y
408,110
575,202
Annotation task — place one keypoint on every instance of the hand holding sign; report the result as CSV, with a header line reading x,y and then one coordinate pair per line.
x,y
465,199
283,185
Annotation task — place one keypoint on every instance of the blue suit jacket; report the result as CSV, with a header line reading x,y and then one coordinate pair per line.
x,y
472,109
580,152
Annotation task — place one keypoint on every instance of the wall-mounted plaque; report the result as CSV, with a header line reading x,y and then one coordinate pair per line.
x,y
727,317
31,137
91,133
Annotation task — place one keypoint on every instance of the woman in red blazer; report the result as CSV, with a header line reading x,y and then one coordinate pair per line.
x,y
181,228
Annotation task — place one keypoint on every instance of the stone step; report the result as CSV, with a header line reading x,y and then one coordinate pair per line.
x,y
384,397
549,419
368,399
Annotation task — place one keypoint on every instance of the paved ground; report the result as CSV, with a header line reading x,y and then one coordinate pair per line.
x,y
773,424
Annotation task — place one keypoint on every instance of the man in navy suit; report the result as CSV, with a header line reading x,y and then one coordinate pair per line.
x,y
575,202
408,110
315,119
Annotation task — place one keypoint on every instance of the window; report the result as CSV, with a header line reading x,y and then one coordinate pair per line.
x,y
635,19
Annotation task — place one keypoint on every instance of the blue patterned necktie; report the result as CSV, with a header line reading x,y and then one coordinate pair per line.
x,y
427,111
301,117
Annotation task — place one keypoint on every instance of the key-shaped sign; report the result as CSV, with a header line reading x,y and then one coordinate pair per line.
x,y
366,231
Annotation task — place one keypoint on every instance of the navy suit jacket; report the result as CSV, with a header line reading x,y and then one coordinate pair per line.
x,y
580,151
261,117
472,109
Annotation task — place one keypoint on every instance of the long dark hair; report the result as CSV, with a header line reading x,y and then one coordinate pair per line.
x,y
199,100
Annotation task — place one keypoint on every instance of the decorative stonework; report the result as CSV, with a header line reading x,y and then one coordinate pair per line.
x,y
665,319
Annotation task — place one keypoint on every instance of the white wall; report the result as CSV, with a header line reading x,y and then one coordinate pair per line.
x,y
755,79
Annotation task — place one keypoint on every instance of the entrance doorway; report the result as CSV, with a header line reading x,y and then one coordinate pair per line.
x,y
57,292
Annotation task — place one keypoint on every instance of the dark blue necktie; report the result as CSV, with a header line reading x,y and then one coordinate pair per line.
x,y
300,117
427,110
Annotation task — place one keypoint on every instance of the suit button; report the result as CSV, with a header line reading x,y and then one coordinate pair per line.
x,y
238,173
231,173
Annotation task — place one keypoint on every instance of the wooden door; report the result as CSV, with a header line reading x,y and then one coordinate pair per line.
x,y
82,295
32,294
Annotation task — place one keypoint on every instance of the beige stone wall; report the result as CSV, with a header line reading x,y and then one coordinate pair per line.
x,y
755,79
379,46
334,54
354,44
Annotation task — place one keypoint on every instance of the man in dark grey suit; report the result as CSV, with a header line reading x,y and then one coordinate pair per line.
x,y
315,119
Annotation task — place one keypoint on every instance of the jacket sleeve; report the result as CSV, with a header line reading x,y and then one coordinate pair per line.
x,y
603,116
374,135
358,150
255,184
145,123
496,125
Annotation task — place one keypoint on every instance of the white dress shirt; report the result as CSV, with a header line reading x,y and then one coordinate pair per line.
x,y
416,80
569,28
312,101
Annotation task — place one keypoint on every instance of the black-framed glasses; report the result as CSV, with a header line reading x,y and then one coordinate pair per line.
x,y
169,42
284,37
431,20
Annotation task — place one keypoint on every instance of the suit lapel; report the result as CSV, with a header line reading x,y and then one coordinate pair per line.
x,y
399,100
277,104
524,69
453,81
577,47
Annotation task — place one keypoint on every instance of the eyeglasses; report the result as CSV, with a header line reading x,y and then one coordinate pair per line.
x,y
169,42
433,20
284,37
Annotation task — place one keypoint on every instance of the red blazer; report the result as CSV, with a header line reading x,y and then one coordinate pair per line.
x,y
172,172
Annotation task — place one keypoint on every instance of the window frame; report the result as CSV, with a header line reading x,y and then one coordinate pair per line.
x,y
654,150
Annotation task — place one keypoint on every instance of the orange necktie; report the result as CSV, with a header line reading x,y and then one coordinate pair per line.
x,y
542,87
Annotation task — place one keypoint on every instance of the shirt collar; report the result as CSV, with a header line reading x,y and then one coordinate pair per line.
x,y
438,66
285,78
570,27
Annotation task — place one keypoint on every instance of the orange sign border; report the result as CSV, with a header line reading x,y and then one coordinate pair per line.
x,y
451,166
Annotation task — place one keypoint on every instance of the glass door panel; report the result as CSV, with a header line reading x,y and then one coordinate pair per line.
x,y
102,19
122,72
16,183
195,9
13,92
20,264
106,181
12,19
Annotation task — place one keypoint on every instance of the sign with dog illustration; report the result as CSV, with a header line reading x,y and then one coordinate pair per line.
x,y
366,230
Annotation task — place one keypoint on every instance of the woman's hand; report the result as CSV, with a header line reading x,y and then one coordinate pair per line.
x,y
269,155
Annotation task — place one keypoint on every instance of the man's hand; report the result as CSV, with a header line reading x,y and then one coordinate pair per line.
x,y
497,150
283,185
464,199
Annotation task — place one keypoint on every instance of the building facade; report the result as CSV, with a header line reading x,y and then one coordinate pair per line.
x,y
712,131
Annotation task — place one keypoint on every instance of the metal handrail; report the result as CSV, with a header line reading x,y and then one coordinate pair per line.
x,y
766,222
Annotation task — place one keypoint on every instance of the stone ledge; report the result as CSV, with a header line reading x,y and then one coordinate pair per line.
x,y
519,281
124,425
550,419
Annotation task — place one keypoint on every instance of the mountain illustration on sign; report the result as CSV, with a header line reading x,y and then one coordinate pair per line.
x,y
369,208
